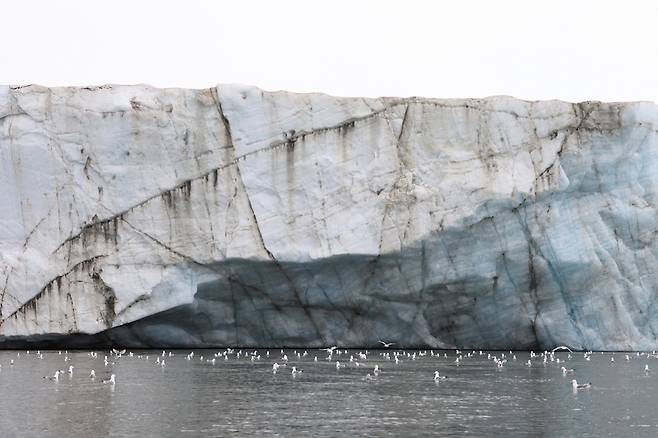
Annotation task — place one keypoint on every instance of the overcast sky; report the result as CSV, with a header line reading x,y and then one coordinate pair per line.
x,y
570,50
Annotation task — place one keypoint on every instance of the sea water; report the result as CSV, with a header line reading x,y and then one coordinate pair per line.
x,y
241,396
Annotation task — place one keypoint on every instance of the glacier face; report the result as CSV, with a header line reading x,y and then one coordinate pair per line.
x,y
236,217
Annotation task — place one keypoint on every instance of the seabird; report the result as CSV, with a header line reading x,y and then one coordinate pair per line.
x,y
386,344
111,380
576,386
438,377
55,377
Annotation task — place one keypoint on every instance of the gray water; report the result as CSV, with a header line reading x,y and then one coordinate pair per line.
x,y
236,396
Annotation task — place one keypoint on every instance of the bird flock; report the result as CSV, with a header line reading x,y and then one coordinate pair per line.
x,y
373,363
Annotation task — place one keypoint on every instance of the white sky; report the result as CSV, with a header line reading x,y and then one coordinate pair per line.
x,y
571,50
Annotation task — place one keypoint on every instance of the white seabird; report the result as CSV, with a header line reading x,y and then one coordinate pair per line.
x,y
576,386
386,344
55,377
111,380
438,377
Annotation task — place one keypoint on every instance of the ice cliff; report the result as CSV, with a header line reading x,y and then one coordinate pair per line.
x,y
232,216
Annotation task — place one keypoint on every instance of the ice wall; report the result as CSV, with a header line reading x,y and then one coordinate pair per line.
x,y
232,216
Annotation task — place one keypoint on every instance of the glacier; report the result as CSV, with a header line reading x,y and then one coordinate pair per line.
x,y
232,216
